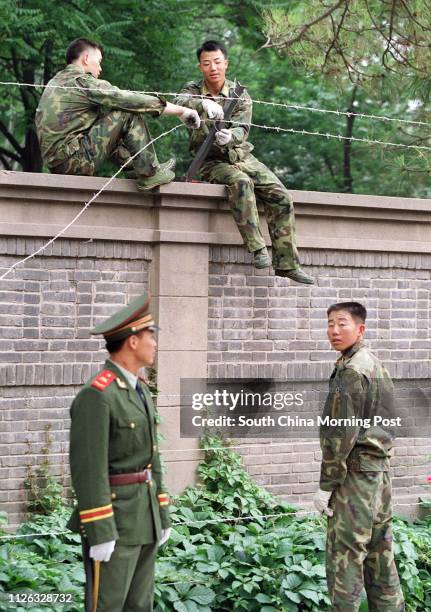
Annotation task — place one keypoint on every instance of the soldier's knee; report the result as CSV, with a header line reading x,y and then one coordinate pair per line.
x,y
245,185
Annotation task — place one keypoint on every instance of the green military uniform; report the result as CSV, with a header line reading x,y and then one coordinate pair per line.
x,y
355,466
79,127
245,177
113,432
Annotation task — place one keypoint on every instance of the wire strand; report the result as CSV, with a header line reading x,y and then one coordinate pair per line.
x,y
230,519
288,105
86,205
336,136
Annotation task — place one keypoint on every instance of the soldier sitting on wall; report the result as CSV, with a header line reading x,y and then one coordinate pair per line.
x,y
355,484
231,163
82,120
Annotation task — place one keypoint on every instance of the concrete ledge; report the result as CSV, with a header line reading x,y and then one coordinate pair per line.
x,y
40,205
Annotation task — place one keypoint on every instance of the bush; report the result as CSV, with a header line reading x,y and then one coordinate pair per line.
x,y
222,555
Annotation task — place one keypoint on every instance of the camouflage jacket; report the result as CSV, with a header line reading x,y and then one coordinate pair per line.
x,y
64,115
359,388
238,148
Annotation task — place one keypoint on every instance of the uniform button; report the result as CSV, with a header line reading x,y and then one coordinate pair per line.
x,y
132,425
113,496
154,447
150,482
149,465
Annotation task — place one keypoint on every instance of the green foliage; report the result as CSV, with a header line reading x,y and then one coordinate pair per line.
x,y
413,554
45,490
42,564
214,561
151,46
361,38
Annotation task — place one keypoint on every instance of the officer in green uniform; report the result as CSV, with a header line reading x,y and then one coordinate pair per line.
x,y
231,163
122,511
82,120
355,487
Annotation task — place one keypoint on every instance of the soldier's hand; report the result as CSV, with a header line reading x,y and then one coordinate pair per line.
x,y
321,501
212,109
102,552
190,118
166,533
223,137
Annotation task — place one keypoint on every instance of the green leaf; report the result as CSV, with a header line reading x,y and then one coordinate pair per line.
x,y
202,595
292,581
293,596
262,598
179,606
310,595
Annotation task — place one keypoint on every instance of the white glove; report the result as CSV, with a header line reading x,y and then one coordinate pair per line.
x,y
190,118
166,533
212,109
102,552
321,501
223,137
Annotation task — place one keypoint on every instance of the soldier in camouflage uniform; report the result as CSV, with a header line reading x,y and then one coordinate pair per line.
x,y
355,486
122,507
89,121
230,162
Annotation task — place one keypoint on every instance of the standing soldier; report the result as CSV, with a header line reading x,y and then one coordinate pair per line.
x,y
82,120
355,486
230,162
122,511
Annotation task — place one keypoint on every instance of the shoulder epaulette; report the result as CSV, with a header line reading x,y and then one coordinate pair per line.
x,y
103,380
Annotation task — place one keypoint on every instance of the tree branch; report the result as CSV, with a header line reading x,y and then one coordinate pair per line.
x,y
6,164
336,33
10,138
306,26
310,24
10,154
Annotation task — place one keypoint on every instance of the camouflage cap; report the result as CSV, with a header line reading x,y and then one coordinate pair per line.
x,y
128,320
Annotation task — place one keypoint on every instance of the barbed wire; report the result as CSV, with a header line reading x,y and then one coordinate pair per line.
x,y
86,205
339,137
289,105
230,519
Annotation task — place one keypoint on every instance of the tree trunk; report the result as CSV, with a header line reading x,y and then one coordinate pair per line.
x,y
31,156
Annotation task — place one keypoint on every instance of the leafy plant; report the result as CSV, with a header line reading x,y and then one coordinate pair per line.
x,y
223,555
45,490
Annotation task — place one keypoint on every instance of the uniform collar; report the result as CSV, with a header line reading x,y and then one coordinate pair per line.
x,y
352,350
224,90
74,68
131,378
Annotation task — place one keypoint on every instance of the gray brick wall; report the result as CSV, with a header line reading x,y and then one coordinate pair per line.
x,y
47,308
261,326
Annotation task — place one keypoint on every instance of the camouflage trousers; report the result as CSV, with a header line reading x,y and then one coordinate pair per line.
x,y
117,136
359,547
246,181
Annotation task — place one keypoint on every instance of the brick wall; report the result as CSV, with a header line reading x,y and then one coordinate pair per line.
x,y
262,326
47,308
258,325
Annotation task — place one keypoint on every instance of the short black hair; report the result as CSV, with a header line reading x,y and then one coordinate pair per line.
x,y
211,45
79,45
357,310
113,346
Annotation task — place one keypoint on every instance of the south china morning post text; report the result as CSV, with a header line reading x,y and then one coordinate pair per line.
x,y
262,408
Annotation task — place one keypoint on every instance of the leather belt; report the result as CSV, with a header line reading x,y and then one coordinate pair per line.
x,y
117,480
